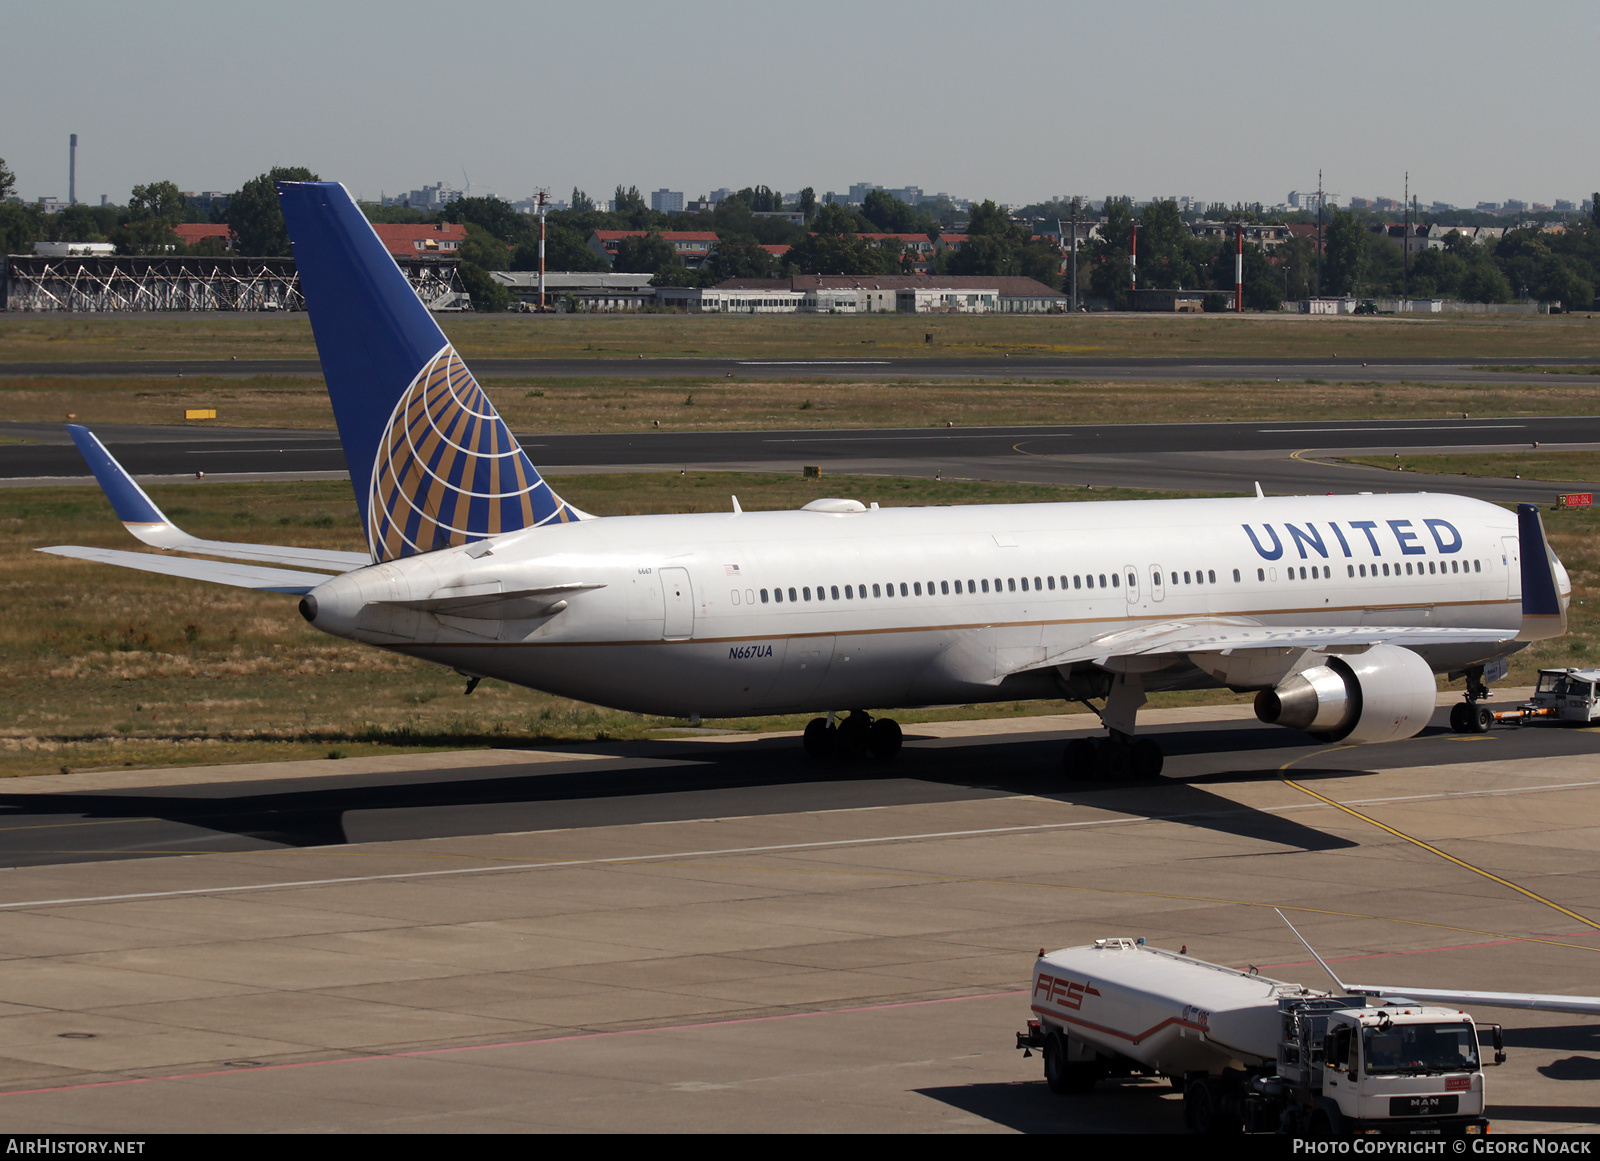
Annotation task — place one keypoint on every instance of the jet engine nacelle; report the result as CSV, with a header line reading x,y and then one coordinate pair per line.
x,y
1382,695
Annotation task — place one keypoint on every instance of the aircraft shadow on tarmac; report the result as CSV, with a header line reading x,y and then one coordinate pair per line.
x,y
637,783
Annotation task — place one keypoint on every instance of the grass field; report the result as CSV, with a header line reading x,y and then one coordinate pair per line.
x,y
108,667
75,337
1527,465
565,405
1535,370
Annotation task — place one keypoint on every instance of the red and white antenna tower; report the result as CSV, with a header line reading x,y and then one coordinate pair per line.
x,y
1238,270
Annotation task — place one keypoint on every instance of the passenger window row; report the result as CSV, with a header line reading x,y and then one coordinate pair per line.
x,y
1325,572
799,593
1435,568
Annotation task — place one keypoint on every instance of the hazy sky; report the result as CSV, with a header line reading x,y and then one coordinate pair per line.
x,y
1009,99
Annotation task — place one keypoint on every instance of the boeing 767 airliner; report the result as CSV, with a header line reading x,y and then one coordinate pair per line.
x,y
1337,610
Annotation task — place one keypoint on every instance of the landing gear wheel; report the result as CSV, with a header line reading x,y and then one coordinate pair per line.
x,y
1111,761
1077,759
884,739
1461,717
853,734
1482,719
821,739
1145,759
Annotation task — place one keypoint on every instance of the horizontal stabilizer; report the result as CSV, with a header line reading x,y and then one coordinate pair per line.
x,y
243,576
1583,1005
148,523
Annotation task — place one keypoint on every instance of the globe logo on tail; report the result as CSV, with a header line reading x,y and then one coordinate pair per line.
x,y
448,471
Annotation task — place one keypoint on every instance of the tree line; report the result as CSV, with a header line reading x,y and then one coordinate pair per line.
x,y
1527,262
830,238
145,225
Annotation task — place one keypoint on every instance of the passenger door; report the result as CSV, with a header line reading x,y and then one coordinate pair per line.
x,y
1511,556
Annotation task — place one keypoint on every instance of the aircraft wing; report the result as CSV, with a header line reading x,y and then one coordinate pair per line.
x,y
1583,1005
244,576
1230,634
141,517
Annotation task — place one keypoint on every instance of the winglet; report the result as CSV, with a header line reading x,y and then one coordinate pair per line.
x,y
1543,614
138,513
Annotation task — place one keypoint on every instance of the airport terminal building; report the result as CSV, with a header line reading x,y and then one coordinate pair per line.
x,y
867,294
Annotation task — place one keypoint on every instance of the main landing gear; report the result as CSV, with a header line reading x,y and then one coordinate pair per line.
x,y
1468,717
857,735
1114,757
1118,755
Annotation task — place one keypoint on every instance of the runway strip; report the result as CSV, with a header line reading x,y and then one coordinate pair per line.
x,y
1214,457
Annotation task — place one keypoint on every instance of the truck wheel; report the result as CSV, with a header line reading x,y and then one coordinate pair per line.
x,y
1055,1063
1321,1127
1203,1109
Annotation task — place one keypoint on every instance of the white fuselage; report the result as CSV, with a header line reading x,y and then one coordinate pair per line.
x,y
908,606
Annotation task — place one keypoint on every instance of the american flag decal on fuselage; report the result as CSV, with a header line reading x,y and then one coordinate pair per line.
x,y
448,471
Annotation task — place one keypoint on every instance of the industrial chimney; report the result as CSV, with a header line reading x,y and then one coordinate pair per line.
x,y
72,172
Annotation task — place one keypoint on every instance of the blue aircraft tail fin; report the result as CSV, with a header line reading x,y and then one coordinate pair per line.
x,y
431,461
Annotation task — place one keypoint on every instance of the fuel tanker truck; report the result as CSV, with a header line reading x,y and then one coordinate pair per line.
x,y
1257,1054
